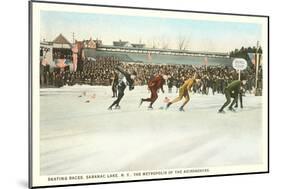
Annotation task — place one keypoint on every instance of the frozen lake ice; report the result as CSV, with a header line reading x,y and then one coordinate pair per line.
x,y
79,138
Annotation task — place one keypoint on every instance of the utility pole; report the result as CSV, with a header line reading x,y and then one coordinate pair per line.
x,y
73,40
257,69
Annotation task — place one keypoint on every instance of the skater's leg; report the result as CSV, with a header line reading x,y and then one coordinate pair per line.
x,y
235,100
113,91
182,92
185,102
176,99
228,100
119,98
121,90
241,100
114,103
173,101
146,99
154,97
236,104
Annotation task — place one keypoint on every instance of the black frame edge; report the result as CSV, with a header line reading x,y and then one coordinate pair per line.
x,y
268,92
30,98
147,8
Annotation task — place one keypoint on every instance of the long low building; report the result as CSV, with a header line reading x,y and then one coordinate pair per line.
x,y
138,49
159,58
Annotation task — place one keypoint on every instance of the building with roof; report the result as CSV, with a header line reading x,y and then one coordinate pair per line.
x,y
54,51
138,45
121,43
61,42
62,48
89,44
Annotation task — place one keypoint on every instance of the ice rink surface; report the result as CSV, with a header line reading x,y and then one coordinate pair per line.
x,y
78,137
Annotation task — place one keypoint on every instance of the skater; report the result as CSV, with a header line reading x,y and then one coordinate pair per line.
x,y
183,92
154,85
232,91
114,84
170,84
124,79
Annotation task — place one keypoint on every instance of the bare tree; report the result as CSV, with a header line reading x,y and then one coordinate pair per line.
x,y
140,40
183,42
155,43
165,43
154,46
147,43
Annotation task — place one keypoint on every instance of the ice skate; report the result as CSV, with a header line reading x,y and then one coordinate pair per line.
x,y
117,107
231,109
221,111
141,101
150,108
181,109
168,105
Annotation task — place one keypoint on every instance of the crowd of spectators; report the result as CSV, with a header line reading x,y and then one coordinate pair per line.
x,y
101,71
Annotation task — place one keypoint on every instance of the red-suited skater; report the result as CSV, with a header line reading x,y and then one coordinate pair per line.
x,y
154,85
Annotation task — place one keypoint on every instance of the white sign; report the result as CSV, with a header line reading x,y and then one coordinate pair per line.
x,y
239,64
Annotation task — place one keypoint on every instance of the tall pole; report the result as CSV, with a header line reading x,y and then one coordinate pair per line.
x,y
73,41
239,75
257,66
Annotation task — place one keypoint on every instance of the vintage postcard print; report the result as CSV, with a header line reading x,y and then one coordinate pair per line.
x,y
122,94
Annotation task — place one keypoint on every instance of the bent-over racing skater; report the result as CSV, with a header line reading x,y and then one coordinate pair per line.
x,y
232,90
154,85
183,92
124,79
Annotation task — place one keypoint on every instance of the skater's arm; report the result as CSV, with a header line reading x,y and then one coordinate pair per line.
x,y
189,87
151,83
126,74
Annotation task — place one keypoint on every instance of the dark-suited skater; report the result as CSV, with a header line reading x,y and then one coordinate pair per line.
x,y
124,79
114,85
154,85
232,91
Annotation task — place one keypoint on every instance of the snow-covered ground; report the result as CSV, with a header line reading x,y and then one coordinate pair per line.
x,y
78,137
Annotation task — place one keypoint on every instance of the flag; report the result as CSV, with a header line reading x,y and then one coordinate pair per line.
x,y
44,62
74,57
61,63
206,60
149,57
252,57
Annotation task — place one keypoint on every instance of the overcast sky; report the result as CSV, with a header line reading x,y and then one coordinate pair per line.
x,y
200,35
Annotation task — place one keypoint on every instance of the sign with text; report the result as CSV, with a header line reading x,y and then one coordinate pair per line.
x,y
239,64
